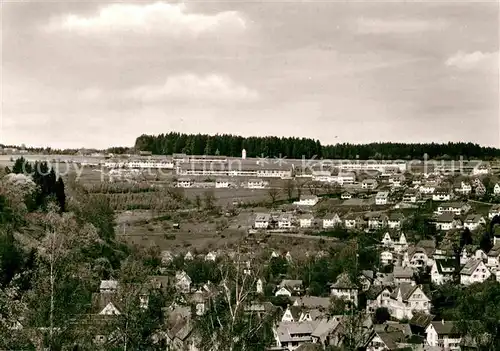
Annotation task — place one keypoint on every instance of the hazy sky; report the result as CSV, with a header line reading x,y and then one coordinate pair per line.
x,y
78,74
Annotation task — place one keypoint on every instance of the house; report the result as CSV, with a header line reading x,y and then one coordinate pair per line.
x,y
188,256
395,220
306,220
464,189
407,298
496,189
494,211
401,245
377,221
180,333
346,195
166,257
410,196
397,180
443,334
387,240
108,286
353,221
291,335
256,184
222,183
448,221
442,271
106,304
481,169
403,275
285,221
288,256
323,334
376,297
262,220
386,340
474,221
441,194
344,178
369,184
474,271
381,198
427,188
291,314
259,286
289,287
211,256
493,257
418,257
185,183
481,255
386,258
331,220
307,200
183,282
345,289
419,323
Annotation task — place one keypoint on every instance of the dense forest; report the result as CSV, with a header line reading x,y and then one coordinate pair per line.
x,y
231,145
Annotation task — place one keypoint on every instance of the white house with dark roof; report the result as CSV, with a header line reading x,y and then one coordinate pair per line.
x,y
387,241
285,221
395,220
496,189
474,221
494,211
307,200
222,183
289,287
457,208
377,221
442,271
386,257
376,297
183,282
418,257
345,289
447,221
441,195
443,334
410,196
493,255
346,195
331,220
407,298
257,184
291,335
185,183
382,198
262,220
474,271
401,245
369,184
306,220
427,188
464,189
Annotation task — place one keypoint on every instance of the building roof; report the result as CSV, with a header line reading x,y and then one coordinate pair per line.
x,y
344,282
406,290
290,283
445,264
445,327
374,291
286,331
421,320
445,218
495,251
262,217
454,204
108,285
400,272
470,267
474,218
306,216
313,302
325,326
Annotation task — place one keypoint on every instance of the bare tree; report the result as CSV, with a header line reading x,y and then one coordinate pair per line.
x,y
273,193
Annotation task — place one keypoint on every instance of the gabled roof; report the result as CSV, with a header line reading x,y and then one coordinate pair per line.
x,y
445,218
421,320
400,272
470,267
445,328
474,218
290,283
287,331
108,285
344,282
374,292
406,290
495,251
325,326
445,263
313,302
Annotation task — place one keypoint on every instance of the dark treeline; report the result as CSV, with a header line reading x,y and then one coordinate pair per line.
x,y
49,185
231,145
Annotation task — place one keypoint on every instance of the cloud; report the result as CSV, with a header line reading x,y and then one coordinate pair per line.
x,y
210,87
466,61
159,17
382,26
185,87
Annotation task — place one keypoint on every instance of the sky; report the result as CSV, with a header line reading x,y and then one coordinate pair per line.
x,y
96,74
